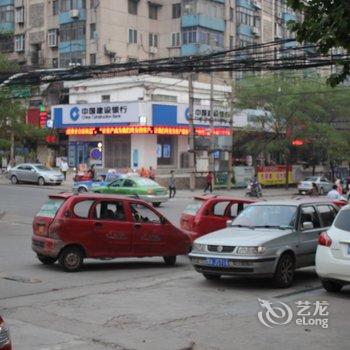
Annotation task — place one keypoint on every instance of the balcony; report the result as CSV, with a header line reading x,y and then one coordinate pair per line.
x,y
8,27
286,16
203,21
7,2
244,29
72,16
72,46
246,4
196,49
289,45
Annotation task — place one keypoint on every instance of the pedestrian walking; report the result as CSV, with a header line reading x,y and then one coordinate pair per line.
x,y
339,185
172,185
152,174
334,194
314,190
209,182
64,168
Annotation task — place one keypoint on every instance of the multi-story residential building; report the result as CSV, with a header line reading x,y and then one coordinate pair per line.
x,y
59,33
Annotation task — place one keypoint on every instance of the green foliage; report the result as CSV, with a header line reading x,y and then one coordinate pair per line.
x,y
326,23
294,107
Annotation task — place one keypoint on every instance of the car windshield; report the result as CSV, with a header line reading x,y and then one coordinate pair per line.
x,y
145,182
342,221
280,216
311,178
50,208
42,168
193,208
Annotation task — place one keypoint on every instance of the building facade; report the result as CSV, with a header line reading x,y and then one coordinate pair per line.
x,y
61,33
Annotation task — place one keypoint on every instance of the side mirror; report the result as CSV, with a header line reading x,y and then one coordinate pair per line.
x,y
229,223
307,225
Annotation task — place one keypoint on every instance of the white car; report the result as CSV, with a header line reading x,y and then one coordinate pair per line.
x,y
333,253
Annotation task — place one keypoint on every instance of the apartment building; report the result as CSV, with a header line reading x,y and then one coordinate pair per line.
x,y
61,33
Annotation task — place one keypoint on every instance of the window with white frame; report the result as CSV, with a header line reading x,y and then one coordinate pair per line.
x,y
52,38
19,43
153,40
132,36
175,39
19,15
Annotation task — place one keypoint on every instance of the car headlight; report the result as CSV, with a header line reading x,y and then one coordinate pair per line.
x,y
250,250
196,247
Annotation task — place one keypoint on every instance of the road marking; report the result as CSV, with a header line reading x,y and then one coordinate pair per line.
x,y
17,278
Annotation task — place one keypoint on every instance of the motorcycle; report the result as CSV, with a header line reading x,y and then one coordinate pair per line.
x,y
254,190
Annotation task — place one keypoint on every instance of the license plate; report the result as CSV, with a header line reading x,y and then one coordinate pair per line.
x,y
218,262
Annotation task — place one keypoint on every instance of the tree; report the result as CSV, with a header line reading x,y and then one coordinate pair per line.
x,y
292,107
327,24
12,116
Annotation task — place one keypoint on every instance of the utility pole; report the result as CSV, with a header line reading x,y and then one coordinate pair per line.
x,y
212,136
230,153
191,141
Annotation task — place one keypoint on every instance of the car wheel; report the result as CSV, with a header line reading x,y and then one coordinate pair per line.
x,y
156,204
331,286
71,259
211,276
41,181
284,273
321,191
46,260
82,189
170,260
14,180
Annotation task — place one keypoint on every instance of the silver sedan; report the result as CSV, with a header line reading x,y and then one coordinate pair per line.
x,y
35,173
323,185
265,240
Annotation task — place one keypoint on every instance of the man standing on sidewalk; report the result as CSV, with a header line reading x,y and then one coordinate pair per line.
x,y
209,182
172,185
64,168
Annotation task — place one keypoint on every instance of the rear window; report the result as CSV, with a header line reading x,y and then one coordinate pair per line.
x,y
50,208
342,221
193,208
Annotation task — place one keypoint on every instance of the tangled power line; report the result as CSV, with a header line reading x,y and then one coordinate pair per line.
x,y
272,56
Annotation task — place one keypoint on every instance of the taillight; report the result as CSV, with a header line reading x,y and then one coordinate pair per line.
x,y
325,240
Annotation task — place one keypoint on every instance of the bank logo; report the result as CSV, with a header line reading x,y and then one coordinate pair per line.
x,y
74,114
274,314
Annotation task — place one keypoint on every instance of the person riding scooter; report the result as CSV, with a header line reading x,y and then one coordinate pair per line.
x,y
254,188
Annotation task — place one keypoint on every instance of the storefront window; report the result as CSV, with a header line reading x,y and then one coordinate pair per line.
x,y
165,150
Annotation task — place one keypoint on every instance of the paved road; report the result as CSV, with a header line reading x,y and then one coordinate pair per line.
x,y
142,304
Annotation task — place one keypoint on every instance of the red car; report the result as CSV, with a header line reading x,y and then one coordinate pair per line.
x,y
5,341
70,227
211,213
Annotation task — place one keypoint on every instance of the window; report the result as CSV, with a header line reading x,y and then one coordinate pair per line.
x,y
93,4
52,38
72,58
92,30
177,10
93,59
231,14
175,39
309,214
231,41
6,14
219,208
72,31
165,150
82,209
117,183
189,36
50,208
152,11
236,209
141,213
132,38
19,15
55,7
342,221
19,43
67,5
245,16
106,98
6,43
128,183
55,63
327,214
132,7
110,211
153,40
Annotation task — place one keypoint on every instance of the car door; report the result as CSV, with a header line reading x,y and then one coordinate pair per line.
x,y
113,187
308,236
113,227
129,187
327,185
215,217
149,234
327,214
31,174
20,172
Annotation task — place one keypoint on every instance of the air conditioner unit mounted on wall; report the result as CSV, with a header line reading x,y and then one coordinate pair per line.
x,y
153,49
74,13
